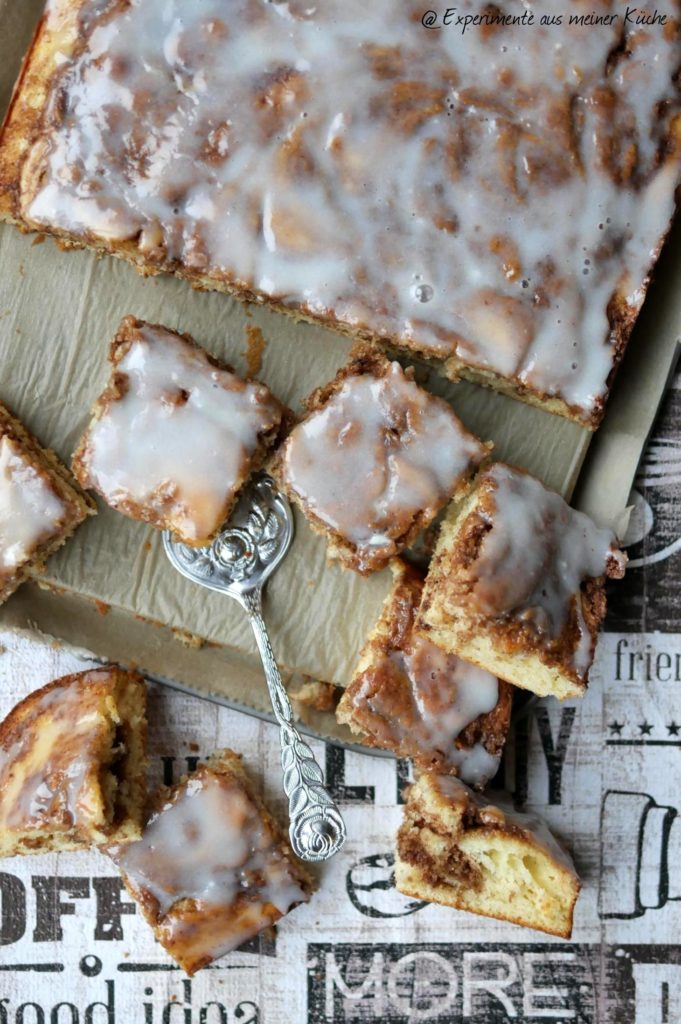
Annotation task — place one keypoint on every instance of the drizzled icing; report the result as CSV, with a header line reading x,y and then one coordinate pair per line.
x,y
30,511
535,556
210,844
501,814
481,197
179,439
50,763
378,454
427,700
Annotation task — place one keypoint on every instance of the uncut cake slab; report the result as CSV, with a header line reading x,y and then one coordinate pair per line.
x,y
59,309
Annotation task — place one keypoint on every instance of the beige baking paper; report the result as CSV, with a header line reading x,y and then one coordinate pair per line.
x,y
58,311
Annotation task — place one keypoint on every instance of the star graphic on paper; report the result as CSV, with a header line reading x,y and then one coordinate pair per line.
x,y
673,729
645,729
616,727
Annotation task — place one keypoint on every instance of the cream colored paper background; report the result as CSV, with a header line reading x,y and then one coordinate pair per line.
x,y
57,313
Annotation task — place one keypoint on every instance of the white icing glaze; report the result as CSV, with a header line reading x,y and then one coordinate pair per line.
x,y
445,694
500,814
476,765
377,454
342,158
180,439
474,691
30,511
533,560
44,772
209,844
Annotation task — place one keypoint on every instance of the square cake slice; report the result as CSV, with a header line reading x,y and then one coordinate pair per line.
x,y
40,504
212,868
456,848
176,433
73,764
517,583
374,460
411,697
495,204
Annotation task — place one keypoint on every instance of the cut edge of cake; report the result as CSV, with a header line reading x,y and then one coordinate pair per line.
x,y
467,854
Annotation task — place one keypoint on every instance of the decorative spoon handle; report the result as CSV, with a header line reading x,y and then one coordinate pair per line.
x,y
316,828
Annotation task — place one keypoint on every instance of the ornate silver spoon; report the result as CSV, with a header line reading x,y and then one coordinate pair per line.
x,y
237,563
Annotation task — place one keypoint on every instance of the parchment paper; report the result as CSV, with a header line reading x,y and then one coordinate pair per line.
x,y
57,313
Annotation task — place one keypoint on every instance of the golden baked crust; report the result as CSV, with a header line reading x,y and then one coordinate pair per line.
x,y
212,868
367,468
458,849
477,140
201,432
500,590
420,703
57,27
73,764
27,465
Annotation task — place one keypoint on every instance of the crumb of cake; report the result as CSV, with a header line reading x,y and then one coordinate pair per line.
x,y
457,849
316,695
212,868
73,764
187,639
517,583
176,434
409,696
374,460
255,347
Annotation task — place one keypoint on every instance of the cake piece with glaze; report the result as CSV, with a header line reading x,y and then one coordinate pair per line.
x,y
495,206
40,504
212,868
73,764
517,583
374,460
411,697
176,433
456,848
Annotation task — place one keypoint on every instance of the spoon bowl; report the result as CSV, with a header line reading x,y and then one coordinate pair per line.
x,y
247,550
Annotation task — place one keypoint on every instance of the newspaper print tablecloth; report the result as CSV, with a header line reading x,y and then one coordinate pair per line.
x,y
604,771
